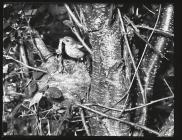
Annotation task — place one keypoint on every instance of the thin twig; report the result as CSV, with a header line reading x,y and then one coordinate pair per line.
x,y
168,86
125,103
152,102
128,47
141,57
156,30
73,16
138,34
46,110
40,54
117,102
110,108
84,122
27,115
14,93
28,22
40,127
48,127
29,109
75,31
83,20
144,6
63,119
81,40
36,69
23,57
120,120
159,11
76,11
134,108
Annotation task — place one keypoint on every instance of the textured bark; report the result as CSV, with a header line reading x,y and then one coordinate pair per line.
x,y
24,59
108,83
151,61
168,128
44,52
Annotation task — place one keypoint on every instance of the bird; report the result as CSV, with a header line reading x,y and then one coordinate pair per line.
x,y
70,48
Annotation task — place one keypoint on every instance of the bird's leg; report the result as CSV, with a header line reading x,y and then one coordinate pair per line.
x,y
60,64
63,67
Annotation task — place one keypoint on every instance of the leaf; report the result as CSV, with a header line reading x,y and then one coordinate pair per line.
x,y
35,99
32,87
37,75
54,92
5,68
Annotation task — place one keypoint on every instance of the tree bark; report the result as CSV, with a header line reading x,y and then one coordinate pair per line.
x,y
152,61
108,82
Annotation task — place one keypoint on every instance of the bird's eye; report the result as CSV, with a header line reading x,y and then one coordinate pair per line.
x,y
67,40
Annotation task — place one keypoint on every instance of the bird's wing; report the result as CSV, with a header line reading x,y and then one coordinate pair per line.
x,y
79,46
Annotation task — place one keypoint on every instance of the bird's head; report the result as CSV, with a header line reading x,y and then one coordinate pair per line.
x,y
68,47
68,40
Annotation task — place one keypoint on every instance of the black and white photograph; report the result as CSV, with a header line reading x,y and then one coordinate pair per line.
x,y
88,69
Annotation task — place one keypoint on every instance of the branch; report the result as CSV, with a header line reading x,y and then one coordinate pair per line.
x,y
120,120
152,102
155,30
127,44
138,34
140,60
109,108
117,102
32,41
81,40
144,6
36,69
134,108
168,86
84,123
73,16
152,61
74,29
23,57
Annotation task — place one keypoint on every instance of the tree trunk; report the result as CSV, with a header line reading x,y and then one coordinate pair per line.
x,y
108,82
151,61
